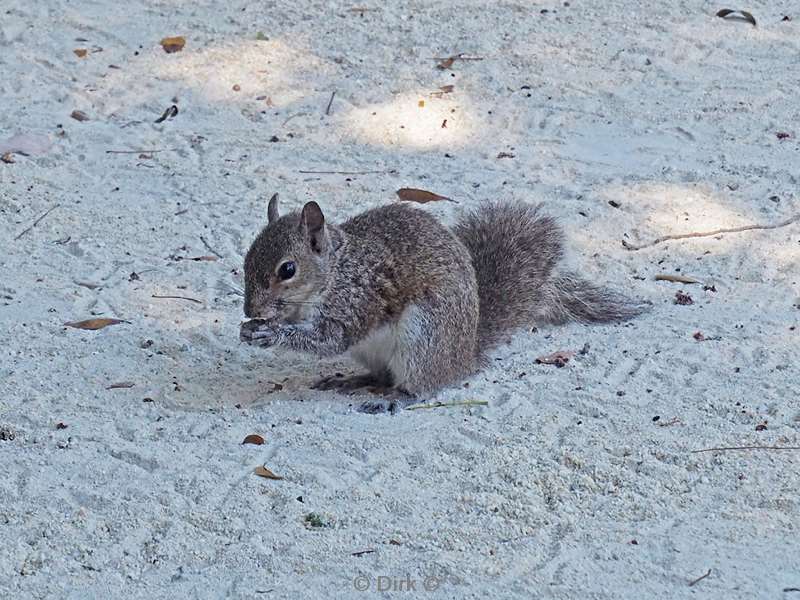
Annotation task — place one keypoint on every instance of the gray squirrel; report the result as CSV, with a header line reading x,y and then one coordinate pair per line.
x,y
418,304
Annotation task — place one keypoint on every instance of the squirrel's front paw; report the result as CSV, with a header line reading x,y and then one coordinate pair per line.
x,y
258,332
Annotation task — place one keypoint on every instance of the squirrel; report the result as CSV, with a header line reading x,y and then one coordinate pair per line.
x,y
417,303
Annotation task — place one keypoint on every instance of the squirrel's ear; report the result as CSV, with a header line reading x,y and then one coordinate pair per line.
x,y
312,223
272,209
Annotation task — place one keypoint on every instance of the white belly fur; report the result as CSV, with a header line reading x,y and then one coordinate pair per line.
x,y
386,347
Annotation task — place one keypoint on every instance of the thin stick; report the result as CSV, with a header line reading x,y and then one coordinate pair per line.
x,y
141,151
328,109
36,222
449,404
290,117
362,552
209,248
724,448
345,172
177,298
676,279
691,583
458,57
683,236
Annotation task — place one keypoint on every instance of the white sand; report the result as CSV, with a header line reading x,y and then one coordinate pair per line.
x,y
661,107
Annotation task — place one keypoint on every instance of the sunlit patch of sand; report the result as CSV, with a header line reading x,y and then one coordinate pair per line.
x,y
234,71
413,120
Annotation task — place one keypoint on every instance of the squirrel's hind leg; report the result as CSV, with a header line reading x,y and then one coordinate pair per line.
x,y
434,346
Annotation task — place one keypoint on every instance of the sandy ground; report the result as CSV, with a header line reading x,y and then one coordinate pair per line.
x,y
572,482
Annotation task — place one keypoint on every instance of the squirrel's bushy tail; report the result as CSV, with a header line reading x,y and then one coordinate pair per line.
x,y
515,252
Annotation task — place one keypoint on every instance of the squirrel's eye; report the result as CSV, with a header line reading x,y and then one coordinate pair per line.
x,y
286,270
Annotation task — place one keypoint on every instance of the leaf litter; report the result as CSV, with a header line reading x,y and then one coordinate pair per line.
x,y
420,196
95,324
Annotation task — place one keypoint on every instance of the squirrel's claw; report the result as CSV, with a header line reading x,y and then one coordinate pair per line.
x,y
391,405
354,383
393,400
258,332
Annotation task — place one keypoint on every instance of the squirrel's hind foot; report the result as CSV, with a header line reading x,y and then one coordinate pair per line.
x,y
393,400
388,399
340,383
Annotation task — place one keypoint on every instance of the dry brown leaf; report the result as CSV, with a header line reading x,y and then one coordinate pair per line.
x,y
79,115
559,359
8,158
170,112
420,196
173,44
207,258
94,324
676,278
26,143
265,472
121,385
447,88
739,15
446,63
81,52
254,439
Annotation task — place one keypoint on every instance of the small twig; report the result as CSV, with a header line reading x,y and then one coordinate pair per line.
x,y
209,248
362,552
177,298
677,279
328,109
791,589
457,57
693,581
121,385
141,151
290,117
346,172
683,236
723,448
449,404
36,222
